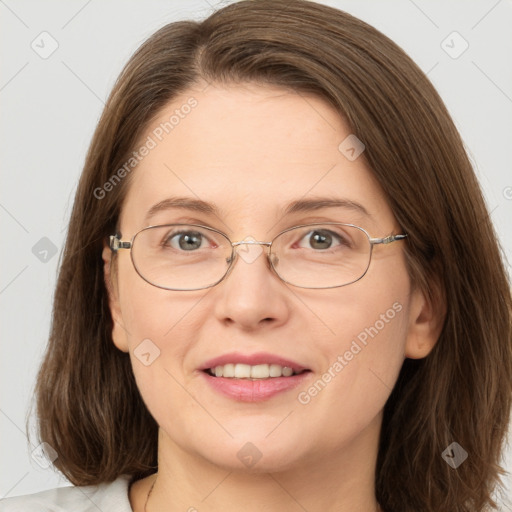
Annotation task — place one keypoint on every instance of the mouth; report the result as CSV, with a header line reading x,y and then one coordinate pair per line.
x,y
252,372
253,378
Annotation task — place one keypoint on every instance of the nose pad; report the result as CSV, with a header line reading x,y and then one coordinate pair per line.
x,y
231,260
274,260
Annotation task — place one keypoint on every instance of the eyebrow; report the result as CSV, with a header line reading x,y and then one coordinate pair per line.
x,y
319,203
298,206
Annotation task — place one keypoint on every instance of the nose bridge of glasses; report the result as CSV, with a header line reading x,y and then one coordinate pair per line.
x,y
253,242
251,256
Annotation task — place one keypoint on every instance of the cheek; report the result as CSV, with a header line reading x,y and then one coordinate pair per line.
x,y
149,315
156,353
362,359
148,311
161,327
370,342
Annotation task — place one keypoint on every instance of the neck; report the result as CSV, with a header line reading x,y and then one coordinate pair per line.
x,y
341,480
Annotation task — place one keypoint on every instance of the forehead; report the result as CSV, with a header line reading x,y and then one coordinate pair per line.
x,y
249,149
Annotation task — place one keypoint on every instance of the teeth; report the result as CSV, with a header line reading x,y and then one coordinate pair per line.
x,y
275,370
246,371
228,370
242,371
260,371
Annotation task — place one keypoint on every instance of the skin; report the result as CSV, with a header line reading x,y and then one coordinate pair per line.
x,y
251,149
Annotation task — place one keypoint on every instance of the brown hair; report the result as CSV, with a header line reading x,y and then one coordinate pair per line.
x,y
89,408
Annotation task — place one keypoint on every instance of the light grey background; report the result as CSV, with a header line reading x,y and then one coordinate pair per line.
x,y
50,107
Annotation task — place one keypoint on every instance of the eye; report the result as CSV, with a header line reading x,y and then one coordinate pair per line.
x,y
322,239
185,240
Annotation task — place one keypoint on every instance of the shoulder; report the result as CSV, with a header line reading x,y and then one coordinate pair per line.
x,y
111,496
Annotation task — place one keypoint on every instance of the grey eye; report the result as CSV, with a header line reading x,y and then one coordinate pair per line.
x,y
185,240
319,239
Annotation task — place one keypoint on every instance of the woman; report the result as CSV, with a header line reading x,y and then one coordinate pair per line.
x,y
281,289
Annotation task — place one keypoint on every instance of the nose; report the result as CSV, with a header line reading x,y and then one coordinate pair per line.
x,y
252,295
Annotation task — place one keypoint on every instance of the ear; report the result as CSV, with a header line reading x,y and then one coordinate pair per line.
x,y
426,319
119,335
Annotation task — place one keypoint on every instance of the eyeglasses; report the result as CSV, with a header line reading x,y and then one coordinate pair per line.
x,y
193,257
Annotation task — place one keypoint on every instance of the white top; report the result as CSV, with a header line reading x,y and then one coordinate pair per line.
x,y
109,497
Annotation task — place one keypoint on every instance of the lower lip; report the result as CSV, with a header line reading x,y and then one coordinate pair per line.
x,y
246,390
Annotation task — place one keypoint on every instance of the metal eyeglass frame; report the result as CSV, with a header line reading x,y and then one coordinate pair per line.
x,y
116,243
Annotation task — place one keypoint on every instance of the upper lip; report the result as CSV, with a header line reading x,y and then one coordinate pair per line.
x,y
252,359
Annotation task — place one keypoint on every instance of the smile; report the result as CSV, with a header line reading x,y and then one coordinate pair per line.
x,y
246,371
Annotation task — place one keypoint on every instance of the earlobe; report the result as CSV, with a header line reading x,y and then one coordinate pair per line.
x,y
119,336
426,319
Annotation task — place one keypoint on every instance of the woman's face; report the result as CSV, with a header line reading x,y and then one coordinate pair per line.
x,y
251,151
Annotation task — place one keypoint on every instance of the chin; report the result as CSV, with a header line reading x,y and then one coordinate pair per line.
x,y
258,456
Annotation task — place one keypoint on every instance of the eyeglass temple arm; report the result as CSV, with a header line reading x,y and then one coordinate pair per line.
x,y
387,239
116,243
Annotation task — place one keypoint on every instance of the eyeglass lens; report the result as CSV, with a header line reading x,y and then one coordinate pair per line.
x,y
187,257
